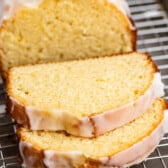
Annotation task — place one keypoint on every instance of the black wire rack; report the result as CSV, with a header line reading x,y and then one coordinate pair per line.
x,y
151,18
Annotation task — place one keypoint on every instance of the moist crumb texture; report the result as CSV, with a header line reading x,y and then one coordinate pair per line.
x,y
64,30
83,87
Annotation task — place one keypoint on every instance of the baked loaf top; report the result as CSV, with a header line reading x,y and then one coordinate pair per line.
x,y
124,146
8,8
83,97
46,31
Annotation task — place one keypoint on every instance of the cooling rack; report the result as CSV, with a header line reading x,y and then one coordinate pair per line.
x,y
151,20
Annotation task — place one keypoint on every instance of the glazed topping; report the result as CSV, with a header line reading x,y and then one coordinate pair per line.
x,y
108,144
124,142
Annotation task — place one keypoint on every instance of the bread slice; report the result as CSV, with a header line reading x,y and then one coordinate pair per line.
x,y
51,30
85,97
124,146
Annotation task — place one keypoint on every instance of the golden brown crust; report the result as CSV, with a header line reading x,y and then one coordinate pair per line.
x,y
1,69
134,33
134,40
153,63
18,112
3,73
37,156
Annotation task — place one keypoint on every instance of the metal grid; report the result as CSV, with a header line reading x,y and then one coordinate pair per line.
x,y
152,22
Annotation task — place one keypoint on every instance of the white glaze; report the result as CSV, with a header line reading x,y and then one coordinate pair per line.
x,y
59,120
28,160
9,7
96,124
133,155
53,159
166,121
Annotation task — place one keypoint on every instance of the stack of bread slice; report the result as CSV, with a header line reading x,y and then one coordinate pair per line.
x,y
94,112
90,100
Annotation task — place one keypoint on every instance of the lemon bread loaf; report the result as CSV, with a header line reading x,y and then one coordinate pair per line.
x,y
124,146
38,31
85,97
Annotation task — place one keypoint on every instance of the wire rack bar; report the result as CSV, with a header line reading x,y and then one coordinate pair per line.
x,y
152,23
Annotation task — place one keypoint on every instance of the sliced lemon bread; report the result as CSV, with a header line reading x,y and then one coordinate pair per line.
x,y
41,31
124,146
85,97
